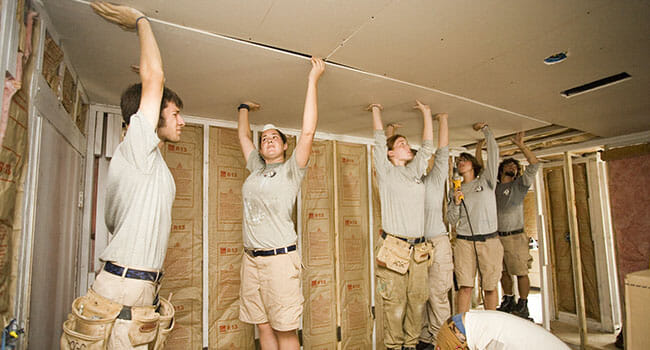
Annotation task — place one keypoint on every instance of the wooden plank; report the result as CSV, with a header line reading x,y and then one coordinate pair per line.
x,y
337,244
626,152
575,249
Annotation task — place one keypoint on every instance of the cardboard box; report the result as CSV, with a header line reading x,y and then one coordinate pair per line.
x,y
637,310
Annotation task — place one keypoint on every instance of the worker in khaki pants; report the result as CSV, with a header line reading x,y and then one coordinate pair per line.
x,y
441,265
403,253
404,294
122,309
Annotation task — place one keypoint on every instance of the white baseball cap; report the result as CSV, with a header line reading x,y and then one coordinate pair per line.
x,y
269,127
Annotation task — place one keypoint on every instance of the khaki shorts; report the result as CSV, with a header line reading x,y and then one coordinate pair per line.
x,y
490,257
270,290
516,257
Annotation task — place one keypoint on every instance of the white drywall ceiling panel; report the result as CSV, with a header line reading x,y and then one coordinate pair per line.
x,y
213,75
489,53
313,27
492,52
431,42
519,81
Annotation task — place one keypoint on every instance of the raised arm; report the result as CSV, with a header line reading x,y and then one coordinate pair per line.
x,y
244,128
376,109
310,115
479,151
151,70
421,160
440,169
492,165
381,150
391,129
443,129
427,127
519,141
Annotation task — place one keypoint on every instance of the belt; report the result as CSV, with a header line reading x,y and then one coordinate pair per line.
x,y
133,273
270,252
508,233
480,238
411,241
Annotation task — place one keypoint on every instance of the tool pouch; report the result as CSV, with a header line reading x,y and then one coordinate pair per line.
x,y
72,340
90,322
394,254
143,327
166,323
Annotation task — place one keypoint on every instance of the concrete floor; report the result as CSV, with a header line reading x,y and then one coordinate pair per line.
x,y
568,333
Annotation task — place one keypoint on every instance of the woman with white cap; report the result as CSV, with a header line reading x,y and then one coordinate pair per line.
x,y
270,291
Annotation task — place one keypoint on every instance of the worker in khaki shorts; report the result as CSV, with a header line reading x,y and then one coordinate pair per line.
x,y
475,218
510,194
122,309
270,290
403,253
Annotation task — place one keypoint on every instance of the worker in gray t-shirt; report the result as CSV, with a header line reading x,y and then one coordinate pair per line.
x,y
435,232
510,193
477,246
270,289
140,192
401,190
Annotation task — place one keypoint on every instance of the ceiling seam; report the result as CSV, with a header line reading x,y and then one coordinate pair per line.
x,y
263,19
306,57
342,43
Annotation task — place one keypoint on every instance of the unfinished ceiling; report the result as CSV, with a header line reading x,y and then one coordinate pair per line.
x,y
476,60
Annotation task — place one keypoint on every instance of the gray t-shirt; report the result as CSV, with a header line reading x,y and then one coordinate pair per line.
x,y
510,200
140,192
435,194
479,196
269,194
401,189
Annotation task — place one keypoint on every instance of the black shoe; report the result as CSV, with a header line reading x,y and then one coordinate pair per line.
x,y
521,309
424,346
619,344
507,303
408,348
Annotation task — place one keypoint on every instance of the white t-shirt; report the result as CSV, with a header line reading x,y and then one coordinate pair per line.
x,y
496,330
140,191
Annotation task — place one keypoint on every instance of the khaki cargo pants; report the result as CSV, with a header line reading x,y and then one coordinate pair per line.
x,y
441,279
94,323
404,297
